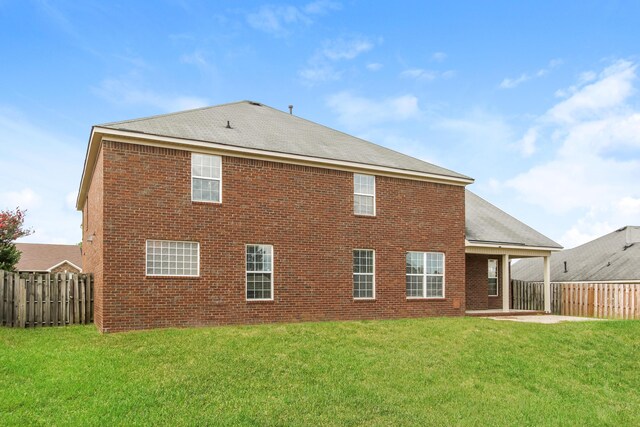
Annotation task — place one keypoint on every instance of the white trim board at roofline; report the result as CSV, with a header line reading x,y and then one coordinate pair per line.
x,y
515,252
98,133
62,262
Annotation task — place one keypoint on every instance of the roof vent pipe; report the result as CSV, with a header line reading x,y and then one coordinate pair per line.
x,y
228,125
290,109
565,267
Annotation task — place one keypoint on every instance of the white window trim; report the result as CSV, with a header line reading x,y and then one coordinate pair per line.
x,y
497,294
425,275
146,258
207,178
367,195
373,275
246,273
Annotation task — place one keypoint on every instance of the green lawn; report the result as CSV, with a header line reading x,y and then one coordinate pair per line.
x,y
461,371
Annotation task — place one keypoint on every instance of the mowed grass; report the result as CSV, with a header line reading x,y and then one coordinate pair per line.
x,y
460,371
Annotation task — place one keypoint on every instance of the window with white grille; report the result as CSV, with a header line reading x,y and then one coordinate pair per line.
x,y
259,272
425,274
493,277
364,194
206,178
364,266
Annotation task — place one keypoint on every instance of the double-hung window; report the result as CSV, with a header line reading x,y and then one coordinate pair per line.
x,y
364,266
493,278
364,194
425,274
259,272
171,258
206,178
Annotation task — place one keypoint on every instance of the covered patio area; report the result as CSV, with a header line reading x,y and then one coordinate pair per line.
x,y
493,239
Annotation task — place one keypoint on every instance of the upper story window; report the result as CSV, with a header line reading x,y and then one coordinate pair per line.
x,y
493,277
206,178
364,194
259,272
170,258
364,267
425,275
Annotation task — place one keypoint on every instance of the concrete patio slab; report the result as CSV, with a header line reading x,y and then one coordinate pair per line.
x,y
545,318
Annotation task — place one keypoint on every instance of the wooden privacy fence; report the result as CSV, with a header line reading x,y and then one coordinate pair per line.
x,y
43,299
603,300
530,296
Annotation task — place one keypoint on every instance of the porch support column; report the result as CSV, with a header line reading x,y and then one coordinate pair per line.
x,y
547,284
505,283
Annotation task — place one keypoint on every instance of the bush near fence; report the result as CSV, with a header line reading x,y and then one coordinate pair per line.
x,y
45,299
602,300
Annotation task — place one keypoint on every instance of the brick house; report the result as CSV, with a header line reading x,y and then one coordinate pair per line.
x,y
241,213
49,258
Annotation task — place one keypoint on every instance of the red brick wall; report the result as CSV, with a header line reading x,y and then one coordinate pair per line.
x,y
307,215
92,252
477,295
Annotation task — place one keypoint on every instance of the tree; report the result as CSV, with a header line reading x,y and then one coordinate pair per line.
x,y
11,228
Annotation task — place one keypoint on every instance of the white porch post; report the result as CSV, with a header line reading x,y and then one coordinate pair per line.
x,y
547,285
505,282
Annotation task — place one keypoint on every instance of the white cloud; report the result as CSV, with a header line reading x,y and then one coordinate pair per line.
x,y
419,74
321,67
280,20
25,199
510,83
439,56
71,198
129,91
345,49
54,168
591,141
319,73
527,143
321,7
478,129
374,66
358,112
613,87
195,58
426,75
630,206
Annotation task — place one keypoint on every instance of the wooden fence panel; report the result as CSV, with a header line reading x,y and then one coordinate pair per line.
x,y
602,300
39,299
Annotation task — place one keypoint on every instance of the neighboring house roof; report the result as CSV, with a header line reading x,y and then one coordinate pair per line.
x,y
257,126
486,224
44,257
612,257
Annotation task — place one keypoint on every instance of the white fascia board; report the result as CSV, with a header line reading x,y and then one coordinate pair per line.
x,y
509,246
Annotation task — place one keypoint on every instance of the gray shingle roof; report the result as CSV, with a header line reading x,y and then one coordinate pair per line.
x,y
41,257
485,223
260,127
614,256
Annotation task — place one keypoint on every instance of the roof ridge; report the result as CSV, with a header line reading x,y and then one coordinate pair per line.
x,y
176,113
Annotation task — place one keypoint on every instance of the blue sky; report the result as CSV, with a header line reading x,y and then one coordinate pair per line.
x,y
538,101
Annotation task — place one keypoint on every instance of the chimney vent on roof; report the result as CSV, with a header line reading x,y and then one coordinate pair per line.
x,y
290,109
565,267
228,125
